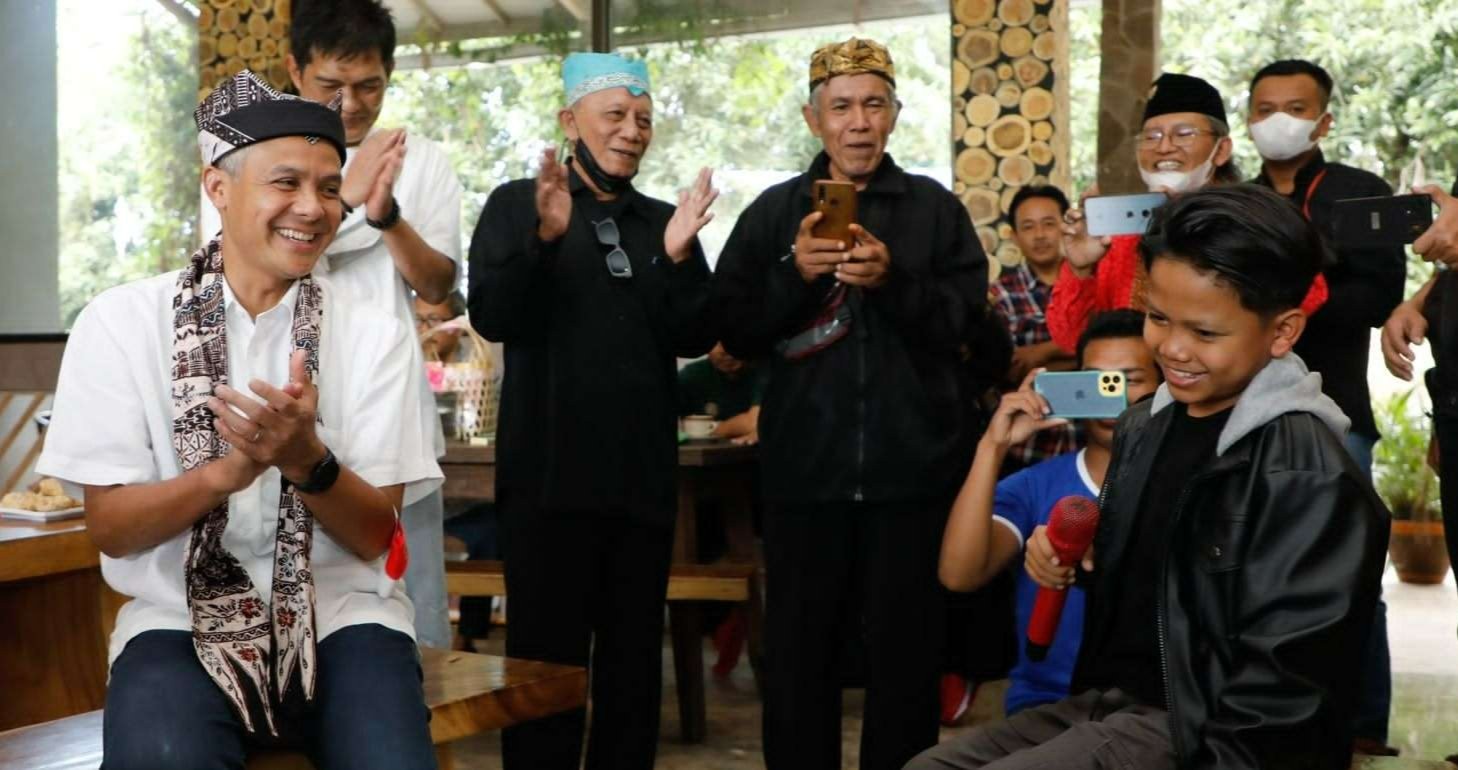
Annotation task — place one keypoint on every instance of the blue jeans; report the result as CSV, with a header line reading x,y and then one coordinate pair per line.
x,y
163,712
1374,694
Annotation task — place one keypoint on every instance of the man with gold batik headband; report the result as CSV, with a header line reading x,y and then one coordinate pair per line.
x,y
862,419
242,466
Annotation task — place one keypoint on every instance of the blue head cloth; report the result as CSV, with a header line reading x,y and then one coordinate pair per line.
x,y
585,73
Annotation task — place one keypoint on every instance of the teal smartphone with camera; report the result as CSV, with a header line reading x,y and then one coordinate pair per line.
x,y
1084,395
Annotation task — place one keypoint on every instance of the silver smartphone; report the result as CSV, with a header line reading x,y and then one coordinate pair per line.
x,y
1085,394
1121,214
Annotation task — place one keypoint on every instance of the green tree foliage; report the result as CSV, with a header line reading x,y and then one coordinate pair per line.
x,y
730,104
129,174
128,151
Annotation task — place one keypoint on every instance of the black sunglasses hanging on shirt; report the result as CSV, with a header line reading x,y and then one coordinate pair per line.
x,y
617,260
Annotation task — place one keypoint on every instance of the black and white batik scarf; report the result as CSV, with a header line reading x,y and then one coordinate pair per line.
x,y
254,652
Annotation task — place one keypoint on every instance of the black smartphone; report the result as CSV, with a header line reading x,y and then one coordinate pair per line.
x,y
1387,220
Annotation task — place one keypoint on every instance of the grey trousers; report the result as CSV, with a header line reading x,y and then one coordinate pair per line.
x,y
1093,730
424,522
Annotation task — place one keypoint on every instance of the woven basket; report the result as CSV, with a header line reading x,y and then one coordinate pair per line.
x,y
476,381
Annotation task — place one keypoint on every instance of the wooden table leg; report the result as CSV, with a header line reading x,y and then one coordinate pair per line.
x,y
737,491
685,622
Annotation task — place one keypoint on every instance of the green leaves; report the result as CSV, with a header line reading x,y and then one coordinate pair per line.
x,y
1399,461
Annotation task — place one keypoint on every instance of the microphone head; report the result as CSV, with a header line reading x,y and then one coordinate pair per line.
x,y
1071,526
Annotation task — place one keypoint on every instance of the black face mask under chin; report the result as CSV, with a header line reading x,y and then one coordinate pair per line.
x,y
608,183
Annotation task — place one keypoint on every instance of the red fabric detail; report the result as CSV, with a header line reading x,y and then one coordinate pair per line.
x,y
1316,296
1076,300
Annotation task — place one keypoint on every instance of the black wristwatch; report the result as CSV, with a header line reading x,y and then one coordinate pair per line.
x,y
321,478
391,219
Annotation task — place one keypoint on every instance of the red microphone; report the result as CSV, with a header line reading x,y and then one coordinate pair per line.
x,y
1070,530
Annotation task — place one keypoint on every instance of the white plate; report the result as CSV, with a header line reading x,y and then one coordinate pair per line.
x,y
42,516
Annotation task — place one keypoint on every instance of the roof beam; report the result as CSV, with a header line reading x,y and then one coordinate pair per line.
x,y
496,9
431,19
581,10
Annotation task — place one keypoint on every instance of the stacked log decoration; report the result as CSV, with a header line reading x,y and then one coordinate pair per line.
x,y
237,34
1010,102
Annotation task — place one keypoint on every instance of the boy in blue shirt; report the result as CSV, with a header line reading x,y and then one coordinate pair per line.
x,y
988,527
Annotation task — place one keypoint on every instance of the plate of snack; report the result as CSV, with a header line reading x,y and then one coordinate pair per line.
x,y
46,500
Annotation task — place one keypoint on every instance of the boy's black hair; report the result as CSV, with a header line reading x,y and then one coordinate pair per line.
x,y
1286,67
1110,325
342,28
1249,237
1036,191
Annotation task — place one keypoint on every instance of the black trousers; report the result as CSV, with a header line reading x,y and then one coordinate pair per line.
x,y
872,563
580,585
1445,420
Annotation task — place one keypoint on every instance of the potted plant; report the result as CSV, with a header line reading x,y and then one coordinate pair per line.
x,y
1410,488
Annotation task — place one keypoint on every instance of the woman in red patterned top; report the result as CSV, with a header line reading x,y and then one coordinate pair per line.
x,y
1184,145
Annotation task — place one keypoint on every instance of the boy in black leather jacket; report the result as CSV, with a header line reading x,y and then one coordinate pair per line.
x,y
1239,552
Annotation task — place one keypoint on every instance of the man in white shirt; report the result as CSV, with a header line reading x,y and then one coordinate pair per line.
x,y
244,439
402,235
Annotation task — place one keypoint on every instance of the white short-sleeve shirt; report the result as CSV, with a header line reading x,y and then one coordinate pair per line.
x,y
359,264
112,424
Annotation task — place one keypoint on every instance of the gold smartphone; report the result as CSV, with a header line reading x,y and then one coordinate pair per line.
x,y
836,201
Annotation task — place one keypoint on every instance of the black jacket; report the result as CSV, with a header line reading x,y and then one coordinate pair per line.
x,y
878,415
1271,575
1364,284
588,417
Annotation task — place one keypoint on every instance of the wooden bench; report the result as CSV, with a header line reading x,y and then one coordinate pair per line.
x,y
731,582
1398,763
686,582
467,694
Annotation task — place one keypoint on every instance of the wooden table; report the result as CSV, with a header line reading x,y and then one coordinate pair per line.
x,y
715,468
57,615
467,694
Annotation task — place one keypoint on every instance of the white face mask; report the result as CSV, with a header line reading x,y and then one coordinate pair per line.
x,y
1180,181
1283,136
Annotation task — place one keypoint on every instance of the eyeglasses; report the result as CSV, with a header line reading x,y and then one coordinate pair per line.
x,y
1181,136
430,320
617,260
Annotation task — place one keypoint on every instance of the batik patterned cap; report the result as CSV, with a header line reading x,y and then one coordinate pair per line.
x,y
852,57
585,73
245,110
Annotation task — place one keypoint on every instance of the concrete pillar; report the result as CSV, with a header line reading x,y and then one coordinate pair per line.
x,y
29,192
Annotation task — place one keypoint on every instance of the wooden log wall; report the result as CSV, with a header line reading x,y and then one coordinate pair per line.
x,y
1010,109
234,34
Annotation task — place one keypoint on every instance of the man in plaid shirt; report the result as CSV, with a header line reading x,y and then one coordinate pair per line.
x,y
1021,295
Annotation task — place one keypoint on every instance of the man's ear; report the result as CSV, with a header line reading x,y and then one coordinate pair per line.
x,y
1288,328
1223,150
295,73
568,121
215,186
812,119
1323,126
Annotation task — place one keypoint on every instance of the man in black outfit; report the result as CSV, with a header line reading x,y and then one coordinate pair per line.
x,y
861,420
1289,103
594,288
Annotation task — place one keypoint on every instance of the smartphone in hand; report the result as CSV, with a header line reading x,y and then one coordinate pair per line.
x,y
836,201
1121,214
1382,221
1085,394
